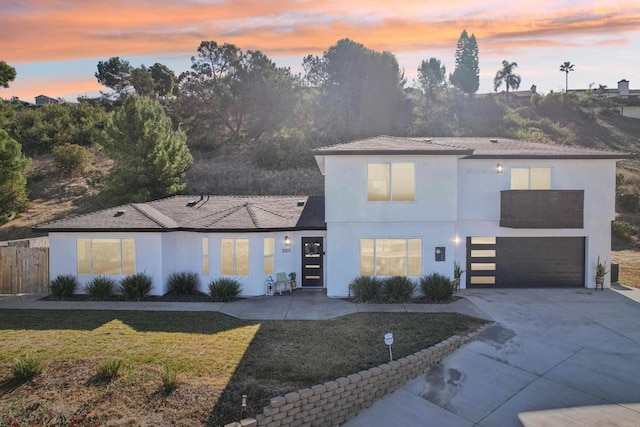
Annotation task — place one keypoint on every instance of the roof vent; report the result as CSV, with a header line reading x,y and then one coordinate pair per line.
x,y
300,203
119,213
493,141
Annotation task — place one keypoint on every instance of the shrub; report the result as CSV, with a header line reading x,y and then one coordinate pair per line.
x,y
628,202
224,290
100,288
398,289
183,283
25,368
70,159
366,289
286,148
135,286
624,230
63,286
169,378
436,287
109,369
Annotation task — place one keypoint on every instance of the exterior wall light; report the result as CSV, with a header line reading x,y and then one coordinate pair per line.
x,y
287,241
456,239
499,168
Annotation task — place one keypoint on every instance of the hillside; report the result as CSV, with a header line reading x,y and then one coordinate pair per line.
x,y
54,196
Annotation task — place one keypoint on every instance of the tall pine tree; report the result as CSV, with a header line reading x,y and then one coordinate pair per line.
x,y
13,184
150,158
466,76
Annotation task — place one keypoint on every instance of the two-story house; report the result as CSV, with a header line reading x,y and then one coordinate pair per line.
x,y
515,213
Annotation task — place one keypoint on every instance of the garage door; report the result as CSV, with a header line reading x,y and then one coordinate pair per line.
x,y
525,262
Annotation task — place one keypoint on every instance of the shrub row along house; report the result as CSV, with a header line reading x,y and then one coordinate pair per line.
x,y
515,213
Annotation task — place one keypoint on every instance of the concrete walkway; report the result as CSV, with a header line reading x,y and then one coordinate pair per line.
x,y
554,357
299,305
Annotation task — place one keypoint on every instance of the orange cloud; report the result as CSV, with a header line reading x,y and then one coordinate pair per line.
x,y
49,30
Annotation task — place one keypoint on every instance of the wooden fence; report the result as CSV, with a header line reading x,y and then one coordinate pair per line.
x,y
24,270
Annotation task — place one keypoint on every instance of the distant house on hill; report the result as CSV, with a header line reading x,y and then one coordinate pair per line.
x,y
524,95
44,99
628,100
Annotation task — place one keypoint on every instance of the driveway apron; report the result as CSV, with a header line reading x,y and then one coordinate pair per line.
x,y
565,357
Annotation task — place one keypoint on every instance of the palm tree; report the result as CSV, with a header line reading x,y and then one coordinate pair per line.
x,y
566,68
506,75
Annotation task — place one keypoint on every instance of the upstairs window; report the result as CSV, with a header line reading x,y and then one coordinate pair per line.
x,y
531,178
391,182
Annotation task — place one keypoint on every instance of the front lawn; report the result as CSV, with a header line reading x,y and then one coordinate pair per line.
x,y
219,358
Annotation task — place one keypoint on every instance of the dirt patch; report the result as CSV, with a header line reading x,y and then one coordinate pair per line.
x,y
629,262
64,391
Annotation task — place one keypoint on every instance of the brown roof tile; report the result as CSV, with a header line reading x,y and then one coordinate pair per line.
x,y
214,213
469,147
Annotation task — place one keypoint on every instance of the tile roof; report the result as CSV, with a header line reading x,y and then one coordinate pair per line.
x,y
209,213
466,147
390,144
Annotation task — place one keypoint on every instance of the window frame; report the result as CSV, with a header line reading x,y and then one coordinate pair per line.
x,y
373,243
390,182
235,241
125,245
206,262
530,171
269,256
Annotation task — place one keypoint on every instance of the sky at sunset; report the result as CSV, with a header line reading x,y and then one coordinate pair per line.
x,y
55,45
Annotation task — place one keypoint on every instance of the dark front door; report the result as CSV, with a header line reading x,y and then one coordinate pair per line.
x,y
312,262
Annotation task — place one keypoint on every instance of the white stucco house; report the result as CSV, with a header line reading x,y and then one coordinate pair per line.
x,y
512,213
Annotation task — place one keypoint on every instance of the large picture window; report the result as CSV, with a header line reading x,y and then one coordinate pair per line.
x,y
390,257
269,255
531,178
106,256
390,182
234,257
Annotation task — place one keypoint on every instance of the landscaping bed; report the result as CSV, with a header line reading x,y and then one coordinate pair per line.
x,y
218,358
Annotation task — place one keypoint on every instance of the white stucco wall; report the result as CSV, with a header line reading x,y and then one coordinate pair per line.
x,y
184,253
161,254
63,256
350,217
479,203
346,190
455,199
632,111
343,256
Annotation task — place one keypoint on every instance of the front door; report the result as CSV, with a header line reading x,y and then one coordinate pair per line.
x,y
312,262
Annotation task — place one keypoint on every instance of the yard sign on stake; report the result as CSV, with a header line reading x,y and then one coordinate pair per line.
x,y
388,340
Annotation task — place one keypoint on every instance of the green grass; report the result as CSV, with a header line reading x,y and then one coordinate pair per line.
x,y
261,359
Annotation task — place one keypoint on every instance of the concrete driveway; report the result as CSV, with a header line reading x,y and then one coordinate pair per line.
x,y
555,357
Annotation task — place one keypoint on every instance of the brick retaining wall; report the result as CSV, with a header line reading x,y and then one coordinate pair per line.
x,y
335,402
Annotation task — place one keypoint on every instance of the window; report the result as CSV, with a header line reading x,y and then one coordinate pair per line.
x,y
234,257
269,255
106,256
205,255
530,178
390,181
390,257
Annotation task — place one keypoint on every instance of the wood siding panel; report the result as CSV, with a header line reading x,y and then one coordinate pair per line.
x,y
542,209
24,270
540,262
